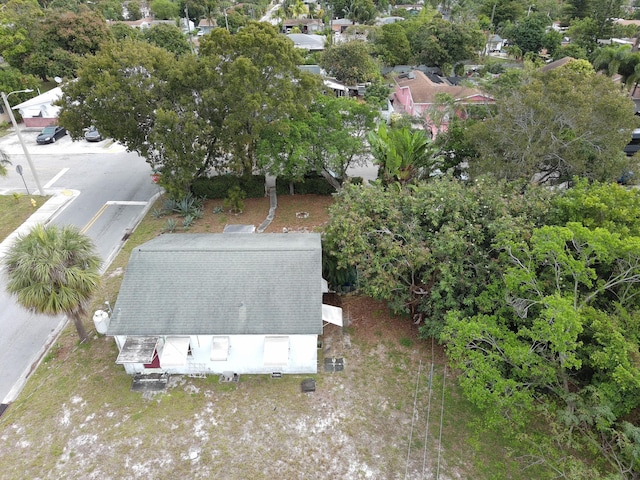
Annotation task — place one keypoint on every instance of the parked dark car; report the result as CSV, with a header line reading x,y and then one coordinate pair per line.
x,y
634,145
51,134
92,134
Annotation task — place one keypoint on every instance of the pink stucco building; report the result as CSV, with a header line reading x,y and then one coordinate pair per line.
x,y
416,94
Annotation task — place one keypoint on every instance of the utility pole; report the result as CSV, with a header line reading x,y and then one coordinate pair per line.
x,y
5,99
186,19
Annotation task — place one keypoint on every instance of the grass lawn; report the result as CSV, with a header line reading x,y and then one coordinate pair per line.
x,y
15,209
380,418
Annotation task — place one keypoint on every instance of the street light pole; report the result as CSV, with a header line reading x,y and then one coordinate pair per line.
x,y
5,99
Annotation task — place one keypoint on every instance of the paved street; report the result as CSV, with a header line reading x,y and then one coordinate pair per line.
x,y
100,188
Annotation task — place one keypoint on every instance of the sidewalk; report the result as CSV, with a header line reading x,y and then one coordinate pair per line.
x,y
44,214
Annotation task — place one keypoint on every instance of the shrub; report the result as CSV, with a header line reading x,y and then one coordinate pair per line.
x,y
309,185
219,186
235,200
170,225
187,221
187,205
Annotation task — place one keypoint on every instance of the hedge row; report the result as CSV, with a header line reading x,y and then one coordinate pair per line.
x,y
253,186
218,186
310,185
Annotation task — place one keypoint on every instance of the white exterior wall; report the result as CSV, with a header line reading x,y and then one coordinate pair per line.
x,y
246,356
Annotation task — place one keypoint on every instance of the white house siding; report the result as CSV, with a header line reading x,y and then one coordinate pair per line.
x,y
245,356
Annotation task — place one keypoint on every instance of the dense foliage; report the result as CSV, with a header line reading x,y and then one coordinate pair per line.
x,y
555,125
427,248
188,115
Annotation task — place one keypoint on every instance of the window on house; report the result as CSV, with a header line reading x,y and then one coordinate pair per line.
x,y
276,351
219,349
175,352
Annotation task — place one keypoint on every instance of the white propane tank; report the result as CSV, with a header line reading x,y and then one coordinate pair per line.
x,y
101,321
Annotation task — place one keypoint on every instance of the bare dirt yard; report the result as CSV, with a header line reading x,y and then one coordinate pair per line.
x,y
393,412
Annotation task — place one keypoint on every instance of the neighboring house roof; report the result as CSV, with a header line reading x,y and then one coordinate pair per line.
x,y
311,69
557,63
301,21
204,23
222,284
41,105
307,41
388,20
342,21
142,23
424,90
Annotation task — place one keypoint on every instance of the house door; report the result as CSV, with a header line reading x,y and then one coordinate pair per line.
x,y
155,363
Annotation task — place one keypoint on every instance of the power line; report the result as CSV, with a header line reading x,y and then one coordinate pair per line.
x,y
426,431
444,377
413,419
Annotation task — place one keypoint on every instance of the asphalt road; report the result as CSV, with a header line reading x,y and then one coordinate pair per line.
x,y
111,190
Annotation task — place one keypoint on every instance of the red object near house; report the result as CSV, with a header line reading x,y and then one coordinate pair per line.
x,y
155,177
155,363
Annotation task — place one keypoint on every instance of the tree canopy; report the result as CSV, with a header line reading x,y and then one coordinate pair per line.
x,y
429,41
54,271
350,62
187,115
169,37
427,248
561,329
329,137
555,125
55,42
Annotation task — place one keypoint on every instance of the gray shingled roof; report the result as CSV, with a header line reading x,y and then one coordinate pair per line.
x,y
222,284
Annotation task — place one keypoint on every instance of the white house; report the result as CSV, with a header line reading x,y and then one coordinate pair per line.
x,y
308,42
222,303
40,110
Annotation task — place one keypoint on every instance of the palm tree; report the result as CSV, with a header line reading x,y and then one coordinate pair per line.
x,y
54,270
610,58
403,155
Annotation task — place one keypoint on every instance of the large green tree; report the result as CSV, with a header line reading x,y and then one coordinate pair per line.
x,y
439,43
330,137
189,115
427,248
169,37
350,62
502,11
392,45
555,125
61,40
164,9
261,83
600,12
528,34
18,20
562,325
54,270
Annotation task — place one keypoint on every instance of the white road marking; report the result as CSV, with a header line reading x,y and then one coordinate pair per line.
x,y
56,178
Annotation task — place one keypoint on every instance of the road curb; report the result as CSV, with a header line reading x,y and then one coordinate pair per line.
x,y
45,214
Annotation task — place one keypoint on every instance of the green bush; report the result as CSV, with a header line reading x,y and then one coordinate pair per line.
x,y
310,185
219,186
235,200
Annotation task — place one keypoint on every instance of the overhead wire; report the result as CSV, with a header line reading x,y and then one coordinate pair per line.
x,y
444,377
413,419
